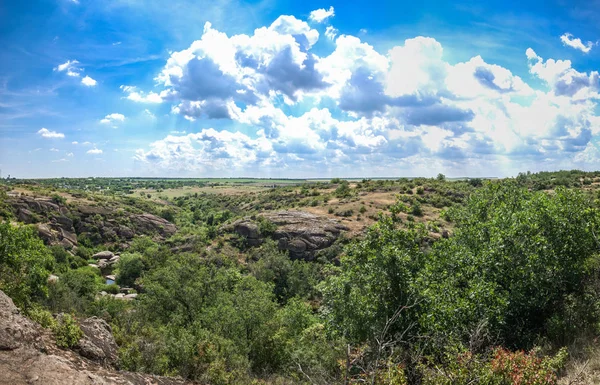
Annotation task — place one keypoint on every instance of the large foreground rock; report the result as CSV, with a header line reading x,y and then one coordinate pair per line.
x,y
25,358
299,232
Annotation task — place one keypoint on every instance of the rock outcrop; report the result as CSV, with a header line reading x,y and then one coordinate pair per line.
x,y
98,343
26,358
64,224
299,232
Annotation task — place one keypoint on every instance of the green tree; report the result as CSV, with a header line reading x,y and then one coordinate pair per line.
x,y
514,263
129,268
24,264
375,279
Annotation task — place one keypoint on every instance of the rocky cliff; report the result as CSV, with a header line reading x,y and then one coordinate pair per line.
x,y
299,232
65,224
28,355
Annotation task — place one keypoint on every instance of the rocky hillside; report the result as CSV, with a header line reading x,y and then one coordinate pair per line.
x,y
28,355
67,224
299,232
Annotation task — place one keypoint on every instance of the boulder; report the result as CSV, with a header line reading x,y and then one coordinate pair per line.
x,y
48,236
25,216
301,233
150,224
24,358
52,278
125,232
103,255
16,331
98,342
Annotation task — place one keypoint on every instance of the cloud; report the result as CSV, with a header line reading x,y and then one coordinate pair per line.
x,y
88,81
45,133
75,142
139,96
71,67
331,32
149,114
570,41
320,15
286,110
94,151
60,160
70,154
563,79
113,118
54,150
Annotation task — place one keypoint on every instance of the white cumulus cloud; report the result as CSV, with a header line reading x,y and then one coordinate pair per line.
x,y
320,15
113,118
45,133
570,41
362,110
88,81
71,67
95,151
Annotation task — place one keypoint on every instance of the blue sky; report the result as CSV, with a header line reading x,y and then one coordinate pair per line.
x,y
298,89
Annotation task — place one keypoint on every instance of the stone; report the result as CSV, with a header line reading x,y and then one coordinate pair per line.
x,y
98,341
52,278
103,255
301,233
24,361
16,331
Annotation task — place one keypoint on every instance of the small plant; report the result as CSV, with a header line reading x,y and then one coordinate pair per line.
x,y
420,190
416,209
330,210
42,316
66,331
362,209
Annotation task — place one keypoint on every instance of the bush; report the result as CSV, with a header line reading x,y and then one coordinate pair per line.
x,y
25,264
129,268
67,332
41,316
416,209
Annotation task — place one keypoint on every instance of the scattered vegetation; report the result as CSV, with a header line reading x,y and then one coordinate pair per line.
x,y
438,281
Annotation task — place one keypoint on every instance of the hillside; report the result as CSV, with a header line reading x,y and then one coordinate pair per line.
x,y
241,281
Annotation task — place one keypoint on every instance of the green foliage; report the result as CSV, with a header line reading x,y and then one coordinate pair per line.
x,y
510,250
41,316
266,227
441,177
58,199
502,368
374,280
416,209
66,331
129,268
343,190
25,264
289,278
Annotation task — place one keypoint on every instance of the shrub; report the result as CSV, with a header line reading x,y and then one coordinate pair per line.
x,y
24,264
362,209
420,190
416,209
129,268
66,331
41,316
520,368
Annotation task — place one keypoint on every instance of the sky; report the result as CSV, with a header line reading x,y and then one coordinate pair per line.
x,y
232,88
